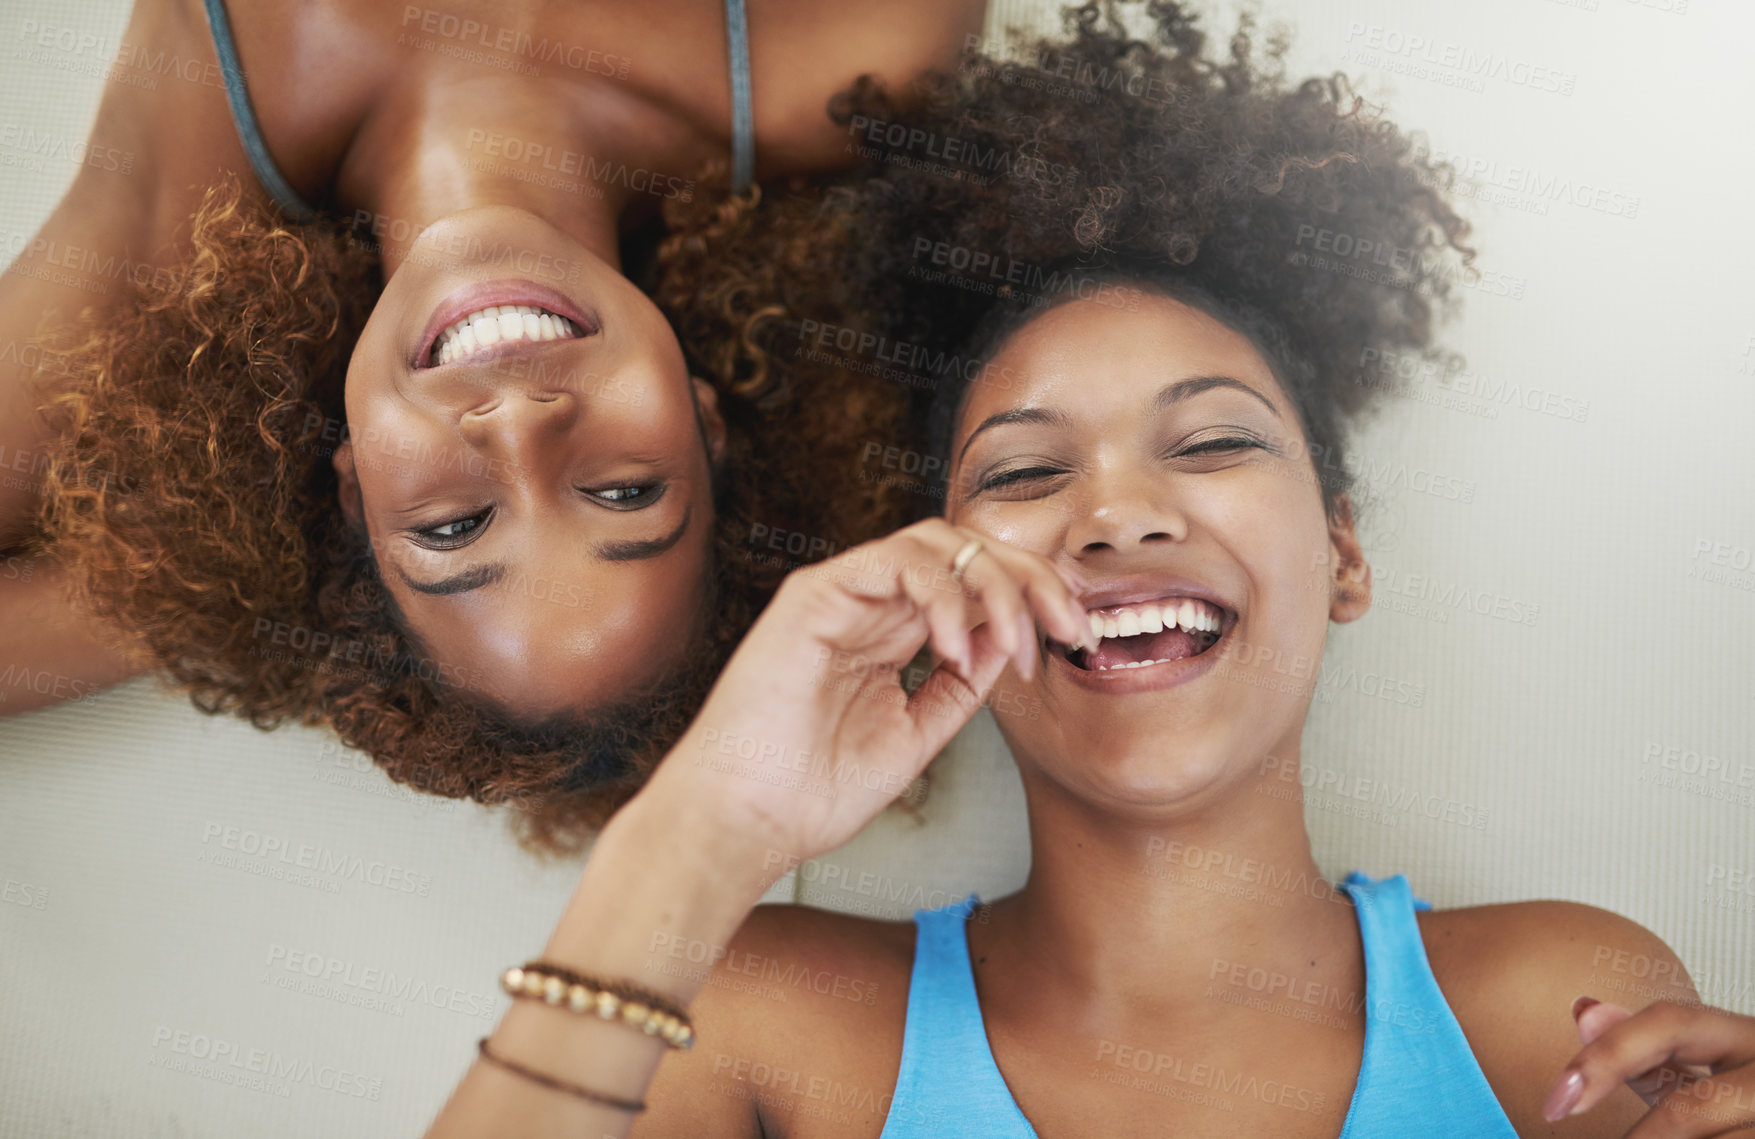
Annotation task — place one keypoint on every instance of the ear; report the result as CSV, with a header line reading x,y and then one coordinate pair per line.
x,y
348,490
712,423
1350,589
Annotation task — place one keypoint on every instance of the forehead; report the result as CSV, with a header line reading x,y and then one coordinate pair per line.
x,y
1089,355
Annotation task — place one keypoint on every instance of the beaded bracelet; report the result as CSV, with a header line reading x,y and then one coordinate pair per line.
x,y
537,1077
639,1008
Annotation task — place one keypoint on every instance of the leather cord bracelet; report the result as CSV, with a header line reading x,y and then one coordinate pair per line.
x,y
546,1081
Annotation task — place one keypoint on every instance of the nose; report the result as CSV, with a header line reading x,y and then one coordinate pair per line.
x,y
1123,510
512,423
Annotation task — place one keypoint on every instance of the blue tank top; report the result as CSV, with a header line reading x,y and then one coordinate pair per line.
x,y
743,139
1418,1075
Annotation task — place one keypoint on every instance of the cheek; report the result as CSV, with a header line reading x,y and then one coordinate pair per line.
x,y
1036,527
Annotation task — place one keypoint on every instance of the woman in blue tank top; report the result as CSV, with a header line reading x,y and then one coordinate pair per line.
x,y
1139,561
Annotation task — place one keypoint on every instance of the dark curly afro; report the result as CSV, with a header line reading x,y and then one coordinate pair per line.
x,y
1044,171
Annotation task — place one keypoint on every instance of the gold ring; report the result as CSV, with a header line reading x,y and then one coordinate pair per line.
x,y
963,558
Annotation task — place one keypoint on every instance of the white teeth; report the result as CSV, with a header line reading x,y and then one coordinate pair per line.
x,y
1156,617
491,325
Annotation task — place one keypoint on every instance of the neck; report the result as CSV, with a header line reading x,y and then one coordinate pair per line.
x,y
1130,916
549,149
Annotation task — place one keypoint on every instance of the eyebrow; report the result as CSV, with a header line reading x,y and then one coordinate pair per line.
x,y
1168,396
481,576
1171,394
639,551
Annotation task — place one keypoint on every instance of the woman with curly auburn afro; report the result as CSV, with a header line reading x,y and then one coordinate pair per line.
x,y
420,461
1137,533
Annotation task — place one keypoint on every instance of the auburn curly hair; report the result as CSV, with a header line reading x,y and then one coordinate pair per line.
x,y
193,500
1046,170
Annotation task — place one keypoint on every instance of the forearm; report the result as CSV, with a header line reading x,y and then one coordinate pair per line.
x,y
49,651
655,872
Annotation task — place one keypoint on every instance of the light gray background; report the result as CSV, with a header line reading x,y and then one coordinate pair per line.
x,y
121,925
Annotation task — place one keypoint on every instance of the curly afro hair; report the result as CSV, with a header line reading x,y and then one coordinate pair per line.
x,y
1048,170
193,499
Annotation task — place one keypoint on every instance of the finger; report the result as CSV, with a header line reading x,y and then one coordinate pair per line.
x,y
1027,648
1718,1105
948,622
1596,1017
946,701
996,598
1048,594
1662,1032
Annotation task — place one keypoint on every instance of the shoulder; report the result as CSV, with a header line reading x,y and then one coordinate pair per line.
x,y
1511,973
802,1007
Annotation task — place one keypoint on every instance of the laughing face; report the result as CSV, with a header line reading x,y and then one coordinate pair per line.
x,y
1154,451
531,462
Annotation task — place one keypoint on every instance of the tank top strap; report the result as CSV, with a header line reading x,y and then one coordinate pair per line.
x,y
1415,1051
948,1083
743,128
244,118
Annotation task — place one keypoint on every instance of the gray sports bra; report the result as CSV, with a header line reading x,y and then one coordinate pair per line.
x,y
743,142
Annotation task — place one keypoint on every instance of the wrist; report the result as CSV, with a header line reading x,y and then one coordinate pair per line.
x,y
660,876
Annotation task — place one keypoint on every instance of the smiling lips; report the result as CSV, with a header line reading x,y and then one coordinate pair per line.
x,y
481,330
1147,633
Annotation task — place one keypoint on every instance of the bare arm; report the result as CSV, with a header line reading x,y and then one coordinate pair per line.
x,y
49,652
690,855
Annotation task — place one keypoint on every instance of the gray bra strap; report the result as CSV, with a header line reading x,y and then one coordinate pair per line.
x,y
743,127
244,116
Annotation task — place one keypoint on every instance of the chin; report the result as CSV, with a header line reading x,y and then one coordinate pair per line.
x,y
1147,771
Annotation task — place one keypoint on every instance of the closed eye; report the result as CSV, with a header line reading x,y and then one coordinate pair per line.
x,y
1228,444
1003,479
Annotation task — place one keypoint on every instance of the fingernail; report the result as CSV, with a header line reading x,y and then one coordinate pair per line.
x,y
1582,1003
1564,1097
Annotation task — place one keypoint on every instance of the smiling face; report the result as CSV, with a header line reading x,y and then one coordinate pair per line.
x,y
535,482
1154,451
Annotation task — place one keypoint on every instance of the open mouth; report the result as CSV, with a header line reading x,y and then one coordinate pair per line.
x,y
477,333
492,318
1146,633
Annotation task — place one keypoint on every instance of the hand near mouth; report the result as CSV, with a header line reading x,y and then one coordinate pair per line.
x,y
809,732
